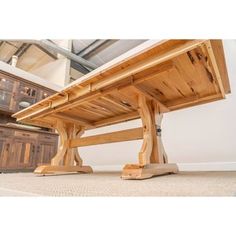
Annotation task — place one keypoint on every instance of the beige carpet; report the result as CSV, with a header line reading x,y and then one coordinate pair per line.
x,y
110,184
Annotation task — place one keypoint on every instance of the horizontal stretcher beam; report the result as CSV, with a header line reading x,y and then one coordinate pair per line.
x,y
118,136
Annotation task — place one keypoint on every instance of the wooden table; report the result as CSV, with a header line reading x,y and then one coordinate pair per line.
x,y
154,78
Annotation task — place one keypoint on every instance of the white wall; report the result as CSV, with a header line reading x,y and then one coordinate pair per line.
x,y
28,76
204,133
56,71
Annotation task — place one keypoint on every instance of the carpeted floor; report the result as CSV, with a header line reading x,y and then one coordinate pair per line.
x,y
110,184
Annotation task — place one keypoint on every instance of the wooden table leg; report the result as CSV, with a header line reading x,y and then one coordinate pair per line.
x,y
152,157
67,159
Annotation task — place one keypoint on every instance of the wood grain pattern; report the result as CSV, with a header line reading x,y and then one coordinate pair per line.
x,y
174,70
118,136
23,149
151,80
67,158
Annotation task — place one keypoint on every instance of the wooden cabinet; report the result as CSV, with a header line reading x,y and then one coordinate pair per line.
x,y
25,150
22,149
17,94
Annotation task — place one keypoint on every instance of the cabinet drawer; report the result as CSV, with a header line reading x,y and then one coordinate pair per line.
x,y
26,134
46,137
6,132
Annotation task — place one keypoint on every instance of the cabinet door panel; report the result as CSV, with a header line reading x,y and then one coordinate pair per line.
x,y
44,94
45,152
5,99
7,88
4,152
6,159
27,96
6,83
1,151
23,153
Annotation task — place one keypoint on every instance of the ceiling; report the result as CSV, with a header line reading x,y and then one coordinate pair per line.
x,y
97,51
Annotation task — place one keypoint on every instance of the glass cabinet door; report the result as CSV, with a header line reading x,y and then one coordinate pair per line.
x,y
44,94
27,96
6,84
6,92
27,91
5,99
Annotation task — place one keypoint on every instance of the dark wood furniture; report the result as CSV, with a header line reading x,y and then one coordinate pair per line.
x,y
25,149
17,94
22,148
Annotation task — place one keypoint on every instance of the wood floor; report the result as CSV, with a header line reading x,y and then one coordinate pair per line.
x,y
109,184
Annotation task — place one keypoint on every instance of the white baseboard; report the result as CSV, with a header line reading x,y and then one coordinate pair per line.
x,y
208,166
203,166
108,167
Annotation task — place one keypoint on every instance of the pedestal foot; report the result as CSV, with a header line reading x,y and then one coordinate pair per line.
x,y
131,171
67,159
49,169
